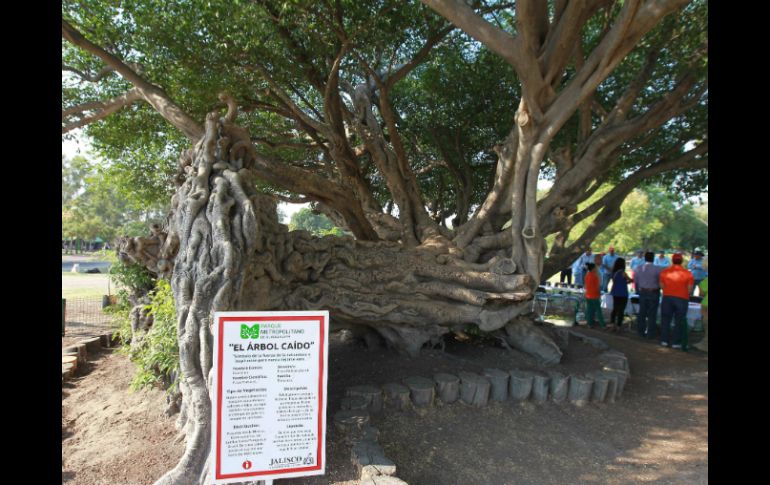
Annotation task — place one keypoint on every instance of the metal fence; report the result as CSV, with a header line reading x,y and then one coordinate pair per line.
x,y
85,316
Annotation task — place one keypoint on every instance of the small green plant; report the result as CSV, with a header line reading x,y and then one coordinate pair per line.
x,y
156,354
130,278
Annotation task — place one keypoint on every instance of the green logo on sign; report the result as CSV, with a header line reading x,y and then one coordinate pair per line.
x,y
250,332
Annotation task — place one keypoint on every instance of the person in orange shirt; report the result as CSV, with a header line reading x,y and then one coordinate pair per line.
x,y
593,295
677,284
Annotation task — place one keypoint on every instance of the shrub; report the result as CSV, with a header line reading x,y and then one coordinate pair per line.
x,y
156,354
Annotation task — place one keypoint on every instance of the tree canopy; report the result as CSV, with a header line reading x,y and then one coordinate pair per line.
x,y
305,76
652,219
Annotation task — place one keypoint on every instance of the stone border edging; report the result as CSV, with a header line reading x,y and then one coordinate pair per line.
x,y
80,351
605,384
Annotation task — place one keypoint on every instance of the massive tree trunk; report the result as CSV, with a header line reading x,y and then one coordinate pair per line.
x,y
225,250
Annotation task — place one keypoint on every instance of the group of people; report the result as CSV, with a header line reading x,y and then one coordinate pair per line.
x,y
651,276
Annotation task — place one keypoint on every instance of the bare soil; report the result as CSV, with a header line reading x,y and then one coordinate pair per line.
x,y
657,432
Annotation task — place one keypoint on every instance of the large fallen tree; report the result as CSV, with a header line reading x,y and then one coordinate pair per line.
x,y
335,103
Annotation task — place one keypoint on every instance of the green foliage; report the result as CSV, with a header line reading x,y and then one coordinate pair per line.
x,y
651,219
318,224
450,110
96,203
156,355
130,278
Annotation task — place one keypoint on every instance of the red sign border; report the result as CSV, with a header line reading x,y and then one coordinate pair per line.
x,y
297,318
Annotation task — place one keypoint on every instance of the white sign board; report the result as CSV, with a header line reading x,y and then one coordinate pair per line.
x,y
269,395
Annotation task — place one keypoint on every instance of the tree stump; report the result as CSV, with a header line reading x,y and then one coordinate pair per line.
x,y
622,377
499,383
559,386
93,344
354,403
79,350
580,390
474,389
540,387
447,387
521,384
351,423
396,396
599,391
421,390
372,395
67,371
82,352
370,461
614,360
106,340
612,385
70,359
73,354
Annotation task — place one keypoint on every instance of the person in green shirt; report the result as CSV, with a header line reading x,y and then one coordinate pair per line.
x,y
704,306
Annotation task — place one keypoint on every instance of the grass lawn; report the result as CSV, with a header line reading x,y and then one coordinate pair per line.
x,y
82,285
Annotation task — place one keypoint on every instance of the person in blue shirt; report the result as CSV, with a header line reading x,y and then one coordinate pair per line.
x,y
636,262
608,262
661,260
695,266
620,282
578,267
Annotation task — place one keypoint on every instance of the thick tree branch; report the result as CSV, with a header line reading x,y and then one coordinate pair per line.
x,y
92,78
151,93
297,112
497,40
501,190
564,34
633,22
418,58
104,109
692,159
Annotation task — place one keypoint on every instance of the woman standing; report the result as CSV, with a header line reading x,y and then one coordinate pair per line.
x,y
593,296
619,293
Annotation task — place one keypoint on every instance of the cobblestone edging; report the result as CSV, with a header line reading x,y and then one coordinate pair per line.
x,y
605,384
75,357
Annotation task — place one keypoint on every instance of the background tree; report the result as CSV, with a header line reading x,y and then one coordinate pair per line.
x,y
650,219
333,102
96,203
318,224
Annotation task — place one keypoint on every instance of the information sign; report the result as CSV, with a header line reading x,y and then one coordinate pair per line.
x,y
269,395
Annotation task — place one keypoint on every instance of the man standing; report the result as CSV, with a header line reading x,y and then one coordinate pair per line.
x,y
662,261
578,267
608,262
647,283
696,268
636,262
677,284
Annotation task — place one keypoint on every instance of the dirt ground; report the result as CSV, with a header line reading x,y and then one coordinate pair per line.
x,y
657,432
112,435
